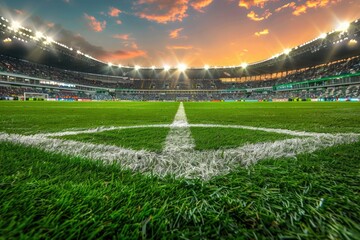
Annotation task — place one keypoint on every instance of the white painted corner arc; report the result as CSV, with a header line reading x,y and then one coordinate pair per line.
x,y
179,158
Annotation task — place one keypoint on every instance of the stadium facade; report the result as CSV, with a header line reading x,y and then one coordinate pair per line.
x,y
35,66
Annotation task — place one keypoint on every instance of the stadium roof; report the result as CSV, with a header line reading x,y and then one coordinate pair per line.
x,y
27,44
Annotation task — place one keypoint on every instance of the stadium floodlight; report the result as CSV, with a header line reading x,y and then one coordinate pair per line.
x,y
15,25
166,67
353,42
7,40
343,27
153,67
39,35
323,35
206,67
137,67
120,66
78,52
182,67
49,39
244,65
287,51
110,64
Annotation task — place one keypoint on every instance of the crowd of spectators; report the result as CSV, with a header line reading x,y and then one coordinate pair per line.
x,y
214,89
326,70
22,67
352,91
12,65
7,92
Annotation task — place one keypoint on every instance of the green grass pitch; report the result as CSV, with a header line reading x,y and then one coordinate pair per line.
x,y
48,195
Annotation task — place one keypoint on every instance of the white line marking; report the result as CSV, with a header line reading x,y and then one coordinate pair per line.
x,y
98,130
187,164
180,124
179,157
273,130
179,138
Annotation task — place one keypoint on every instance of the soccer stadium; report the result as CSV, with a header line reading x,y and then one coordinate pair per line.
x,y
181,119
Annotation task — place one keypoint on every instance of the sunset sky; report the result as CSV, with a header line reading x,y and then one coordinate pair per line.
x,y
194,32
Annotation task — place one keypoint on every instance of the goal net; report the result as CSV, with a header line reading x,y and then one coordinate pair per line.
x,y
30,96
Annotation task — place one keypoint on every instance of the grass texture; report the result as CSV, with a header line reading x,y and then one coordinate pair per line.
x,y
50,196
215,138
36,117
330,117
143,138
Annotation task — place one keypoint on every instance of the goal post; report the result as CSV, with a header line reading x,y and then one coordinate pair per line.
x,y
31,96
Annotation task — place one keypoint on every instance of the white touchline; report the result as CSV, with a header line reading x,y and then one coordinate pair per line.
x,y
179,138
179,158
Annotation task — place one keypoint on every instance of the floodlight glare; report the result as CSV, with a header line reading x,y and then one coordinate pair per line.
x,y
7,40
49,39
287,51
137,67
323,36
110,64
206,67
15,25
182,67
343,27
166,67
244,65
353,42
153,67
120,66
39,35
276,55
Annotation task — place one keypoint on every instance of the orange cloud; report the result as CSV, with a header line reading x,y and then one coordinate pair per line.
x,y
121,55
122,36
127,40
289,5
313,4
20,12
175,33
179,47
317,3
94,24
262,33
198,5
255,17
249,3
299,10
114,12
163,11
50,24
131,45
